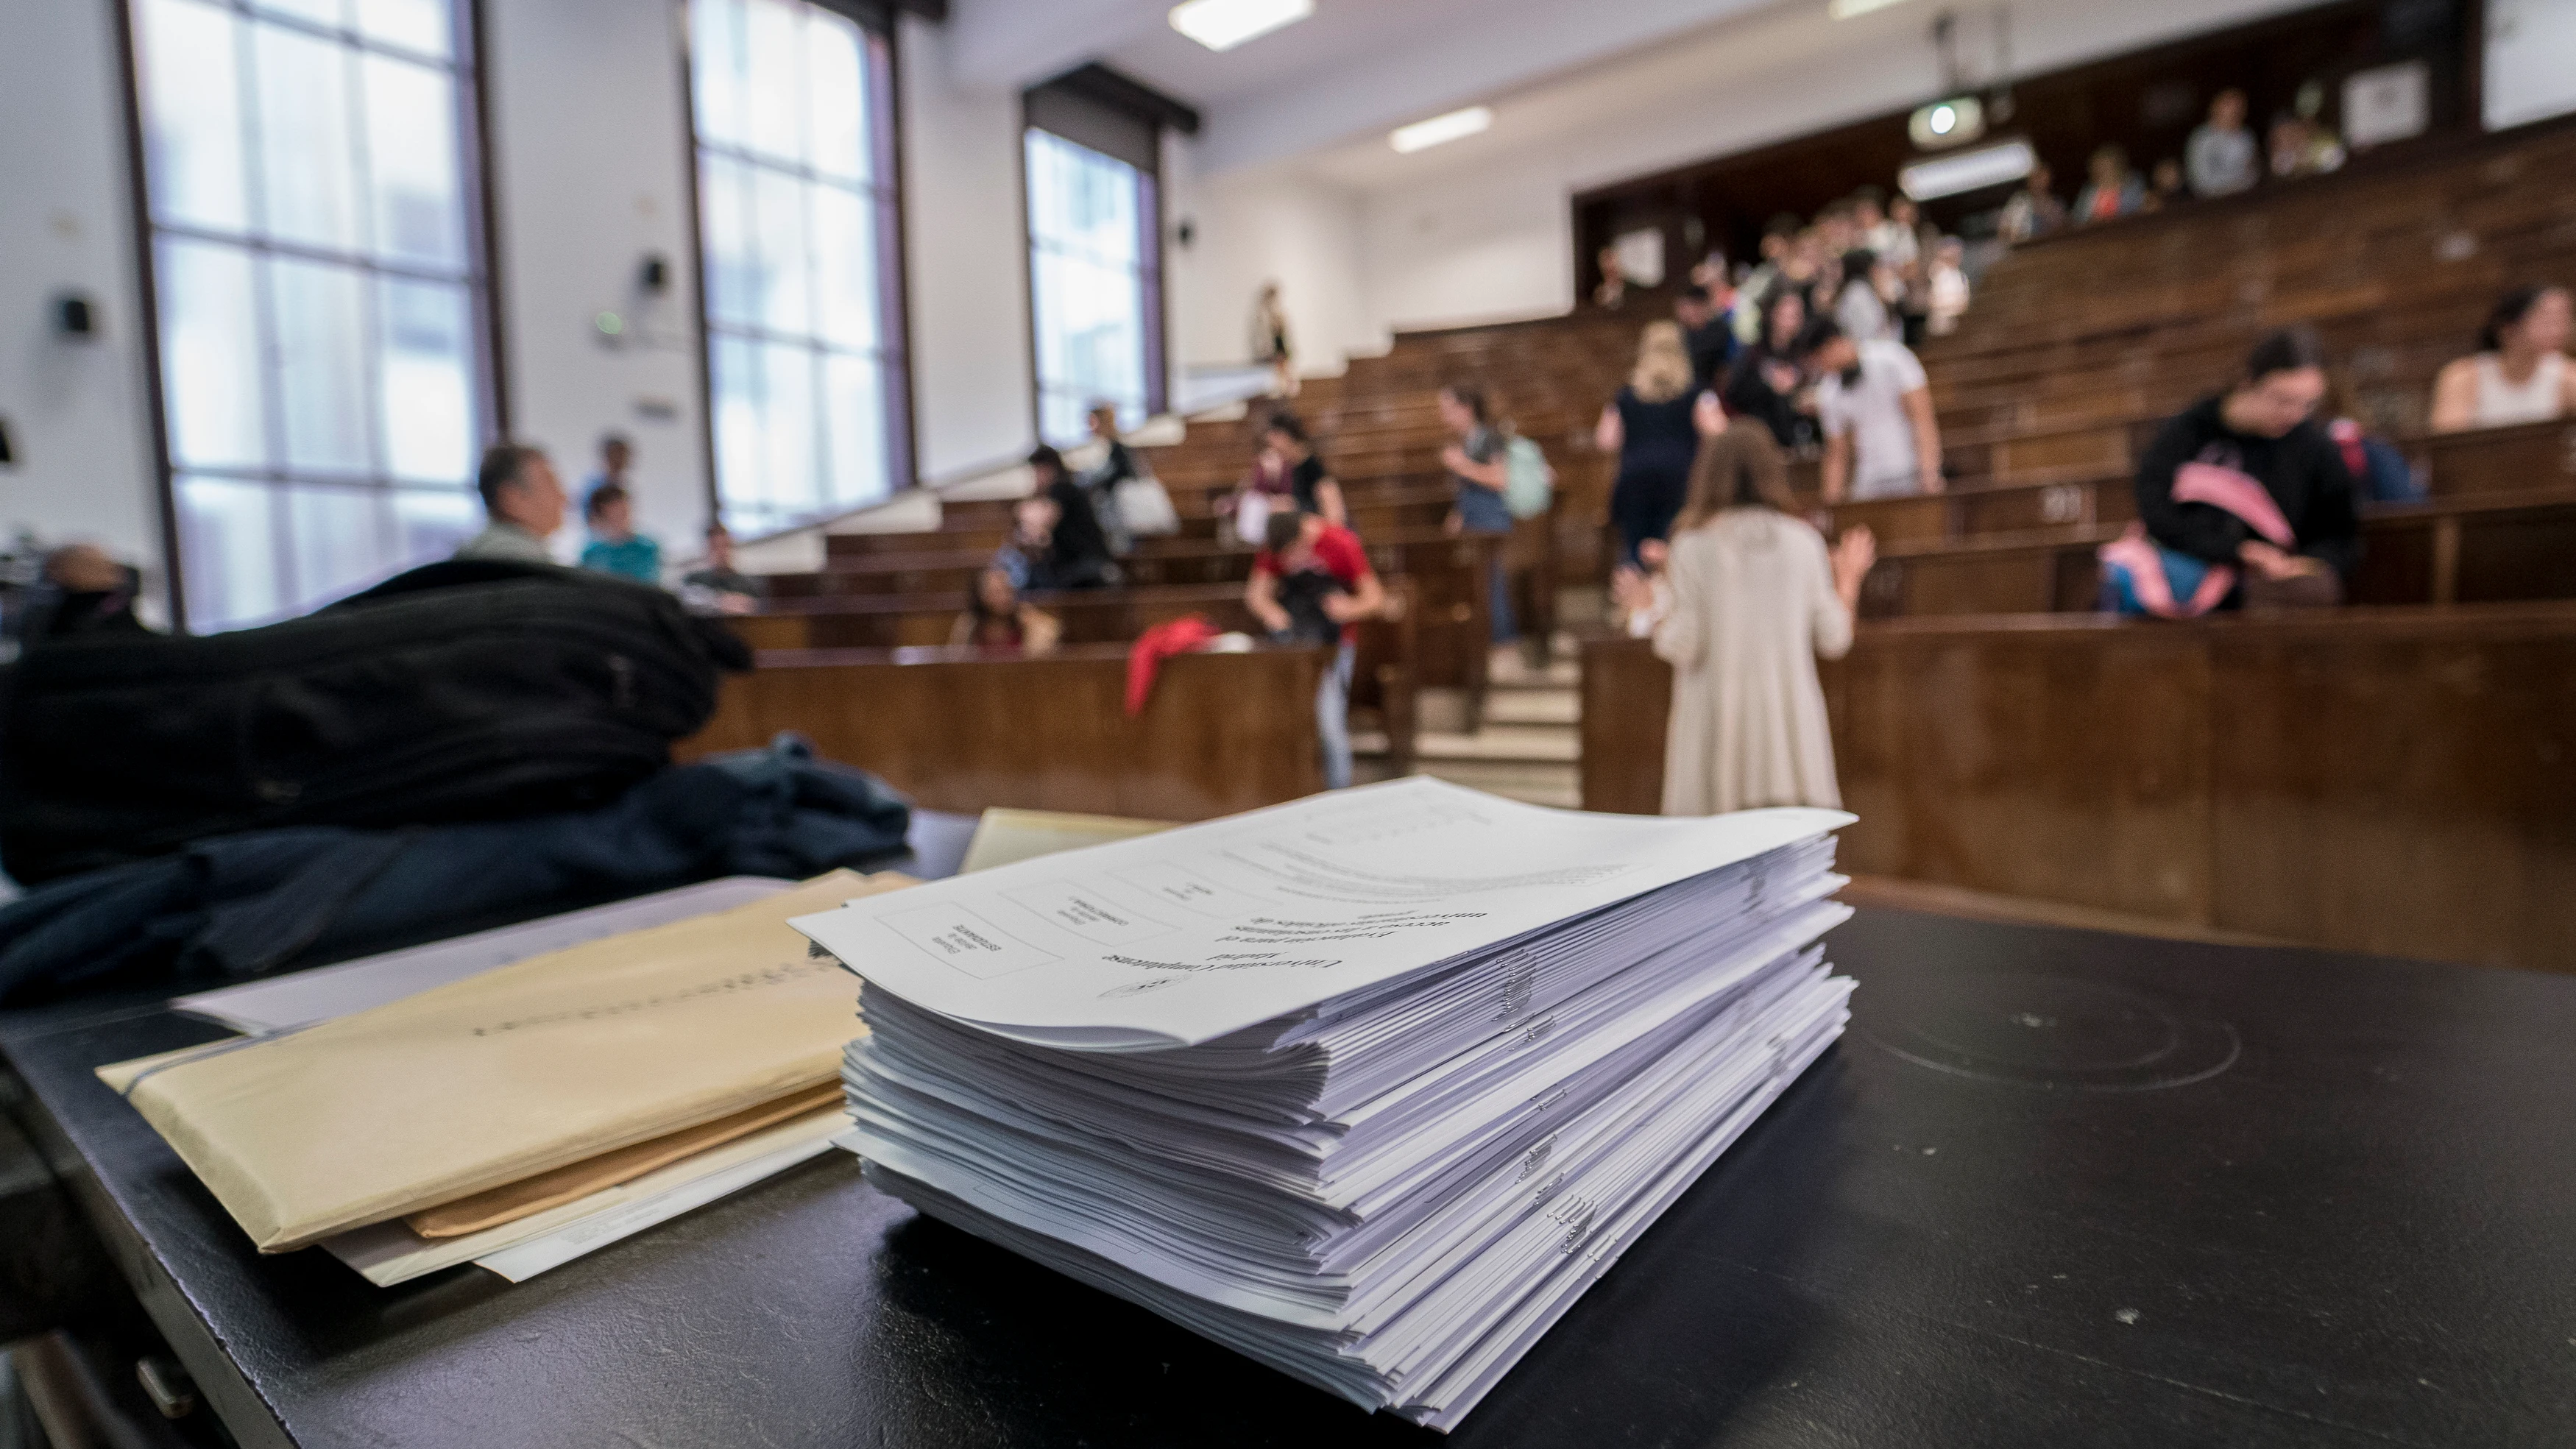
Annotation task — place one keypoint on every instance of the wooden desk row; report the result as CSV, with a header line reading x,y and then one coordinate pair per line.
x,y
958,731
1451,616
2477,548
2395,780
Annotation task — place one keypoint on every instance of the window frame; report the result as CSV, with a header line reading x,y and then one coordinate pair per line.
x,y
882,54
1153,282
468,57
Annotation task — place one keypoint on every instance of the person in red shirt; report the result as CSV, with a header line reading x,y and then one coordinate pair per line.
x,y
1311,586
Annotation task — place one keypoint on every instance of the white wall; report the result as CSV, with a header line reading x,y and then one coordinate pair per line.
x,y
2528,46
78,412
968,264
1486,246
590,146
1254,227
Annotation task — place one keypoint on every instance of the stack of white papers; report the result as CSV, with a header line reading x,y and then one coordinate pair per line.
x,y
1369,1087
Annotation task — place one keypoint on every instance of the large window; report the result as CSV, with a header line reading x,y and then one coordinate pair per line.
x,y
1094,284
317,274
797,237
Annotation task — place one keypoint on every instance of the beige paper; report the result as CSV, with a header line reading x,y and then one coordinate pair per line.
x,y
529,1196
1004,837
510,1073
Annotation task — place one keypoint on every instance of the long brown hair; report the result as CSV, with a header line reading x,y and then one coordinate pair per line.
x,y
1739,468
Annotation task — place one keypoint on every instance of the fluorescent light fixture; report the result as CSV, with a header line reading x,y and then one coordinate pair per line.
x,y
1451,127
1225,24
1967,171
1850,9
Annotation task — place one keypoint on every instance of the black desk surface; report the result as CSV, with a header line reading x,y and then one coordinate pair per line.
x,y
2054,1187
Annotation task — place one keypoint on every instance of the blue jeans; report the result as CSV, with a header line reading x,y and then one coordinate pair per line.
x,y
1333,716
1482,510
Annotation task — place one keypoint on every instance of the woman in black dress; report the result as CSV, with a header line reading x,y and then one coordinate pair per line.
x,y
1649,426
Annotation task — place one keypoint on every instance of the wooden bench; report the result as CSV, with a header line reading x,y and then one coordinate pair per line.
x,y
956,731
2398,780
2471,548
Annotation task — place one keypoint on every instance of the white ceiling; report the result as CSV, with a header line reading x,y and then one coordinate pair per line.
x,y
1593,89
1355,69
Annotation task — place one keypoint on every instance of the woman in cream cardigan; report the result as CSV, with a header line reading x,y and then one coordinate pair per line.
x,y
1756,596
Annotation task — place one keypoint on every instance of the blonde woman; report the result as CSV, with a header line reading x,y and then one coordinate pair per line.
x,y
1756,597
1649,427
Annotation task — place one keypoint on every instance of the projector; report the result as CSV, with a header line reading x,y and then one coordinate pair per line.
x,y
1943,124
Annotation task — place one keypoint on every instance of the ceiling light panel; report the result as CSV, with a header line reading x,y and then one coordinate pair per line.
x,y
1967,171
1848,9
1451,127
1225,24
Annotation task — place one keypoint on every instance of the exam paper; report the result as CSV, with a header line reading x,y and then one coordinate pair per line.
x,y
1178,938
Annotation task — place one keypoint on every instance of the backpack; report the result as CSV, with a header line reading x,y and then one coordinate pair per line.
x,y
1529,484
458,691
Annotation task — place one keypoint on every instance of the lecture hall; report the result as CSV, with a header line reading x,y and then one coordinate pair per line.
x,y
1743,724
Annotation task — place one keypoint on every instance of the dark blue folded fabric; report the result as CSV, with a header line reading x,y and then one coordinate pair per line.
x,y
238,905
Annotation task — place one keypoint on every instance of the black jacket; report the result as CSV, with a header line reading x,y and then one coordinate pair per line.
x,y
2302,470
1079,542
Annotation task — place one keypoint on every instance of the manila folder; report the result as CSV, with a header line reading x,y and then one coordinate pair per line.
x,y
509,1073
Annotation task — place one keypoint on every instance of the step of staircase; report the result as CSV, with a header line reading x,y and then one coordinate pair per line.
x,y
1504,743
1533,705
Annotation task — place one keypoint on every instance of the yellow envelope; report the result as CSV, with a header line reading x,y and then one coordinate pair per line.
x,y
511,1073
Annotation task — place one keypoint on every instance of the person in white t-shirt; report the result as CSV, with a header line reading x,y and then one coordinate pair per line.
x,y
1881,440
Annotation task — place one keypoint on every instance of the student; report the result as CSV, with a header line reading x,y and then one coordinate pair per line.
x,y
1766,384
2242,497
1755,598
998,621
1478,472
2164,186
716,586
1897,240
2520,372
1312,584
1881,440
1270,342
1708,335
2221,155
1100,484
2034,211
616,456
2111,189
1612,294
1648,428
1945,288
2301,147
1755,291
1077,553
615,547
1862,306
523,502
1311,485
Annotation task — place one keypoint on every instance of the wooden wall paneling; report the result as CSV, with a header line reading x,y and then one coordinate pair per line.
x,y
2068,764
2407,788
1627,702
2496,460
2382,779
2515,554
